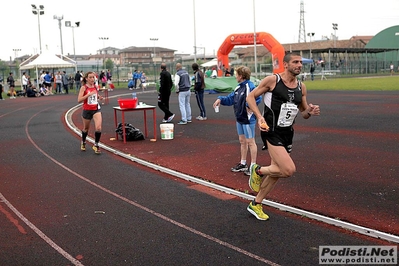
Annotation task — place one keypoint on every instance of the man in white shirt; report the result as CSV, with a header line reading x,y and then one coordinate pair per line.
x,y
41,79
24,83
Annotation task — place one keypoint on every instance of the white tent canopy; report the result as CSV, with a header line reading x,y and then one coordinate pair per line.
x,y
213,62
46,61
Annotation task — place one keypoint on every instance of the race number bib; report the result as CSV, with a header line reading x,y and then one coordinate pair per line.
x,y
288,112
92,100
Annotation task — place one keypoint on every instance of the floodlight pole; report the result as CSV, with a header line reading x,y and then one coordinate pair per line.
x,y
38,11
153,58
103,39
335,28
68,24
16,53
195,37
59,25
397,51
311,34
255,53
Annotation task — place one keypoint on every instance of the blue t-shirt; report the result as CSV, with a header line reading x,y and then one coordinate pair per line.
x,y
47,78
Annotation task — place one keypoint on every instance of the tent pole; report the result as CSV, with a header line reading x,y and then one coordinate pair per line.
x,y
37,79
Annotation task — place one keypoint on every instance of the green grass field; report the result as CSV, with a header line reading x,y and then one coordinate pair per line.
x,y
385,83
371,83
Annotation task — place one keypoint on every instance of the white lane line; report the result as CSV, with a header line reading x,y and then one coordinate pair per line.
x,y
325,219
165,218
40,233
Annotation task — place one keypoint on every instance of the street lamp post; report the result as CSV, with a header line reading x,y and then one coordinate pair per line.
x,y
15,56
195,35
255,52
154,40
16,53
153,58
335,28
38,11
200,47
103,39
68,24
59,18
397,51
311,34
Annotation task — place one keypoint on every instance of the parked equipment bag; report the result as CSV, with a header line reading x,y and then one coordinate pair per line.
x,y
132,133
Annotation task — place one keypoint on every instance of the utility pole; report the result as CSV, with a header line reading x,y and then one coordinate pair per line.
x,y
302,32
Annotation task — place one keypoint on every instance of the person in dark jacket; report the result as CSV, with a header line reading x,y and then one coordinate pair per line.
x,y
78,77
136,78
312,72
245,119
165,87
65,82
199,88
11,85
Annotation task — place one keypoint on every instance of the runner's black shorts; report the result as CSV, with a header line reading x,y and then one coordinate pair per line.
x,y
278,138
88,114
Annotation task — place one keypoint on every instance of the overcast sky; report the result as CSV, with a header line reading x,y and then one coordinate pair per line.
x,y
133,22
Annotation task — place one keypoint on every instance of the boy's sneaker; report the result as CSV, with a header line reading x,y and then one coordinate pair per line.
x,y
182,122
255,179
164,120
202,118
83,146
189,121
239,168
198,117
96,149
257,211
247,172
170,118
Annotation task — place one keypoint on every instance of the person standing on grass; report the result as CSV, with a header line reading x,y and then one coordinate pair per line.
x,y
11,85
136,77
312,72
78,77
88,95
47,82
143,81
103,79
65,82
24,83
284,98
1,92
245,119
58,82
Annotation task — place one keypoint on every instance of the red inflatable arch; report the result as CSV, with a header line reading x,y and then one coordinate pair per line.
x,y
275,48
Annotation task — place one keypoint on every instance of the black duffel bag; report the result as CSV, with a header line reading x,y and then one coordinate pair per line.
x,y
132,133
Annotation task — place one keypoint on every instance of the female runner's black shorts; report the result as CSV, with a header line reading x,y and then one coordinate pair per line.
x,y
88,114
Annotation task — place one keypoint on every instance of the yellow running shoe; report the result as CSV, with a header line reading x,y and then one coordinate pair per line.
x,y
257,211
83,146
96,149
255,180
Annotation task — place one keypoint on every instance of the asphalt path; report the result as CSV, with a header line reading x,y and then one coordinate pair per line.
x,y
61,206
